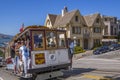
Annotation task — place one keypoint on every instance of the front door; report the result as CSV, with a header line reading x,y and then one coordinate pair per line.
x,y
85,43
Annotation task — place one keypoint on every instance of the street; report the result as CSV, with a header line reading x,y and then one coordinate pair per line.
x,y
105,66
7,75
96,67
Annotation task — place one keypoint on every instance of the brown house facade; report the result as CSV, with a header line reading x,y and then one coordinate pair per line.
x,y
86,31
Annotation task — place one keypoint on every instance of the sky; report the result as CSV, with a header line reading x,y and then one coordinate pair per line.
x,y
13,13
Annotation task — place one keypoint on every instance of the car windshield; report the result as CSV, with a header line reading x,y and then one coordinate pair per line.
x,y
113,44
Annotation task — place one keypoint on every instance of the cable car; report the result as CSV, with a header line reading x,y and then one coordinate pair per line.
x,y
48,51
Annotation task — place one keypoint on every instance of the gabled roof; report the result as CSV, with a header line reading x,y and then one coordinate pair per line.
x,y
62,20
58,20
52,18
89,19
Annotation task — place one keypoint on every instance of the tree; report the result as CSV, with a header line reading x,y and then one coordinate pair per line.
x,y
1,53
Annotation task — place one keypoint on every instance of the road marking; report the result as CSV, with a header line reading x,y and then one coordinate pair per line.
x,y
1,78
92,59
96,77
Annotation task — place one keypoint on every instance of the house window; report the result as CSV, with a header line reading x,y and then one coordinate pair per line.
x,y
96,42
106,30
97,30
73,30
105,19
79,30
97,21
76,18
76,30
115,20
111,30
115,31
48,22
78,42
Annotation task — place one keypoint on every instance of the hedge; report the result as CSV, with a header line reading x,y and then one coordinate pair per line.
x,y
78,49
1,53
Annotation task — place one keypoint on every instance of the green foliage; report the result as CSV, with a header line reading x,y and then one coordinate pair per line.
x,y
78,49
1,53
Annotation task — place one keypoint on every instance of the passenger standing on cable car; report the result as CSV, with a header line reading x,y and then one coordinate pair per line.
x,y
17,46
71,51
12,54
24,56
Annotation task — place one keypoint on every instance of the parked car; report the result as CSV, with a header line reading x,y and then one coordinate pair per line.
x,y
97,51
1,61
101,50
105,49
113,47
118,46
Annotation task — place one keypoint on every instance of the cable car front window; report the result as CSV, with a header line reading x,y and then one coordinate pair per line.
x,y
38,40
61,40
51,39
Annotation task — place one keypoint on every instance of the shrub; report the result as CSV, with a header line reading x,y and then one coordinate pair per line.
x,y
78,49
1,53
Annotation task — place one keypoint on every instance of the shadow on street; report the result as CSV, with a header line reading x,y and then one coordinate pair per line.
x,y
68,73
76,71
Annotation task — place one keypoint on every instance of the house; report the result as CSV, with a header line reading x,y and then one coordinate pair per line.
x,y
86,31
111,29
95,27
118,23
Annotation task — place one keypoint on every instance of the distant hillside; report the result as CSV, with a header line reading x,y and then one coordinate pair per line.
x,y
5,36
4,39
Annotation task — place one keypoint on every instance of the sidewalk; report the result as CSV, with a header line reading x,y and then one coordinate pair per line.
x,y
81,55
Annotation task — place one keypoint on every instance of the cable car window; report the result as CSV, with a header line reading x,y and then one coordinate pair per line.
x,y
51,39
38,40
61,40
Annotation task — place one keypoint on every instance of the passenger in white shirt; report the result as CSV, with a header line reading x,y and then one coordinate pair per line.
x,y
24,57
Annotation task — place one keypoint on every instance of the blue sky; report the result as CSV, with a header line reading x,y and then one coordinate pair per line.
x,y
33,12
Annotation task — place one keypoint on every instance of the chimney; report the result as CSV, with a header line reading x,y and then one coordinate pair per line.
x,y
64,11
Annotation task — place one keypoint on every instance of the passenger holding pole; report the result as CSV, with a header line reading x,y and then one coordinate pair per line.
x,y
17,60
24,57
12,54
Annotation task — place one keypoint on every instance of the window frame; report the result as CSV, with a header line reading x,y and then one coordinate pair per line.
x,y
48,22
46,39
76,30
97,20
59,32
76,18
97,30
43,38
97,41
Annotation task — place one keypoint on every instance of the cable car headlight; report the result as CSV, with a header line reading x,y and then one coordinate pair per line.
x,y
52,57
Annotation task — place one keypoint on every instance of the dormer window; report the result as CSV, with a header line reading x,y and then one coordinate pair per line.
x,y
105,19
97,20
76,18
48,22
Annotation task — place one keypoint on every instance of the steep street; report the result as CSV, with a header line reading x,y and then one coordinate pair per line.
x,y
94,67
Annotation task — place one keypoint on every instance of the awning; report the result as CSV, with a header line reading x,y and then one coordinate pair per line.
x,y
109,40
